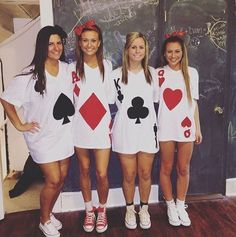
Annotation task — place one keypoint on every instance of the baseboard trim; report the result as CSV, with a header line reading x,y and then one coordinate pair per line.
x,y
73,201
231,187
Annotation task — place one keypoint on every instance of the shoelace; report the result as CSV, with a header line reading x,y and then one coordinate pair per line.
x,y
102,218
144,213
89,218
131,213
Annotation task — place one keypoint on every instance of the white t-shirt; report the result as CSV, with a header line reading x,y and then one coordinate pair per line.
x,y
92,122
176,114
53,111
135,124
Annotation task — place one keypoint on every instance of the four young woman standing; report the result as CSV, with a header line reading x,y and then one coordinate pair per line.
x,y
45,96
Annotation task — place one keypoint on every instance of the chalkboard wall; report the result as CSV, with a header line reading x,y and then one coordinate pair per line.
x,y
231,123
208,24
116,19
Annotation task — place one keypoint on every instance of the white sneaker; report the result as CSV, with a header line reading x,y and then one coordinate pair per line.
x,y
130,217
55,222
144,217
172,214
183,215
48,229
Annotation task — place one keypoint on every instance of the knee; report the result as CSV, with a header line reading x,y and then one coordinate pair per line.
x,y
84,171
183,171
130,177
101,176
53,183
145,175
165,170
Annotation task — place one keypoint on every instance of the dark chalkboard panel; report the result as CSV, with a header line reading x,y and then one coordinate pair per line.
x,y
116,19
231,135
206,25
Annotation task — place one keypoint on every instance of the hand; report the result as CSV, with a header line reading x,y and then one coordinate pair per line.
x,y
198,137
29,127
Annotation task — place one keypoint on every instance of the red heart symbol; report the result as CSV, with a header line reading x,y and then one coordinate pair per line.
x,y
161,80
172,97
186,123
187,133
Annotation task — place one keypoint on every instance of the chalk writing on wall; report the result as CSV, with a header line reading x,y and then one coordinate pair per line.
x,y
116,19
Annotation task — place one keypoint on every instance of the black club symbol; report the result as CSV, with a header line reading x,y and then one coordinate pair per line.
x,y
137,111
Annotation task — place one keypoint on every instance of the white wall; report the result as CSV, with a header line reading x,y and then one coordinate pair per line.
x,y
16,53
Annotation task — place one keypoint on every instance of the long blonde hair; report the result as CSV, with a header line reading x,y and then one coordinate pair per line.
x,y
130,37
183,62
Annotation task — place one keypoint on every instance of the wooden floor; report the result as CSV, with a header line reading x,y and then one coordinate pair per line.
x,y
212,218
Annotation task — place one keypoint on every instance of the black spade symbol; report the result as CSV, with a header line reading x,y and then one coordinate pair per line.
x,y
63,108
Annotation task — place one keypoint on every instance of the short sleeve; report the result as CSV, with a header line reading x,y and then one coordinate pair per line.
x,y
194,83
16,92
112,89
155,85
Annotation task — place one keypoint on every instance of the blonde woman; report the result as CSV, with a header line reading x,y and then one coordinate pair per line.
x,y
179,125
134,132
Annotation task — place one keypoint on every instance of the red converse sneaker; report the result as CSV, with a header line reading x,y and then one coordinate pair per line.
x,y
89,221
101,224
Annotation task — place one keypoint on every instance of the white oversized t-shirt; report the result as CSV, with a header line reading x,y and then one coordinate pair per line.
x,y
53,111
92,122
176,115
135,124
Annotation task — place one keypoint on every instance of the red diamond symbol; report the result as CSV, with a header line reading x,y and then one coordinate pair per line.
x,y
92,111
76,90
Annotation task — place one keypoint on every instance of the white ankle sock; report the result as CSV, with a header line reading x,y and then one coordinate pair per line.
x,y
88,206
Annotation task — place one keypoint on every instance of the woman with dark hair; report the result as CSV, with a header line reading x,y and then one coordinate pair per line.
x,y
134,132
91,125
45,95
178,120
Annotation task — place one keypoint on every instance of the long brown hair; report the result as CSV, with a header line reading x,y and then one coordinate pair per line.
x,y
183,62
41,54
80,54
130,37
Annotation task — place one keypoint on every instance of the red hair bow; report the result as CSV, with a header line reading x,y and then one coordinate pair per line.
x,y
89,24
175,33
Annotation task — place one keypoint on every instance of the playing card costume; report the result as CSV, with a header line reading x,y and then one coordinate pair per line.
x,y
92,121
53,111
135,124
175,113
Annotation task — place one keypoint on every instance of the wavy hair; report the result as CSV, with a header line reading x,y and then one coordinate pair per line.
x,y
41,54
80,54
183,62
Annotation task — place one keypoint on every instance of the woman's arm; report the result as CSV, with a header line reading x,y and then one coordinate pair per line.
x,y
197,124
15,120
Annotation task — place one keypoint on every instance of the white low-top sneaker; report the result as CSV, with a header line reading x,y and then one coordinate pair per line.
x,y
48,229
55,222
